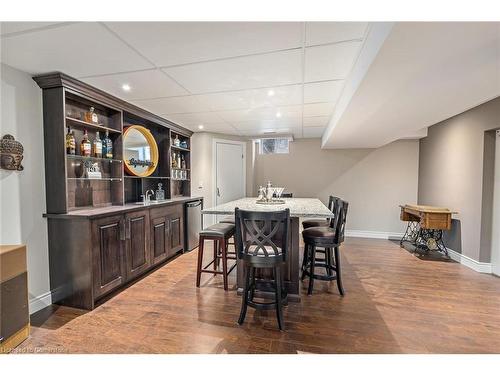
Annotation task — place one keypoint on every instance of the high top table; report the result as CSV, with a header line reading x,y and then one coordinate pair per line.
x,y
299,208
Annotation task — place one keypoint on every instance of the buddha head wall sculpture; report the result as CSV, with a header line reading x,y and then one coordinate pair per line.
x,y
11,153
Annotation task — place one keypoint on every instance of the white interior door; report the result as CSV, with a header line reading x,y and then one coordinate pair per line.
x,y
495,241
230,172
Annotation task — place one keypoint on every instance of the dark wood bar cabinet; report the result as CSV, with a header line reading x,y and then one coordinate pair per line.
x,y
100,238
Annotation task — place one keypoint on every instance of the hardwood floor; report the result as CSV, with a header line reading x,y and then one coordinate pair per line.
x,y
394,303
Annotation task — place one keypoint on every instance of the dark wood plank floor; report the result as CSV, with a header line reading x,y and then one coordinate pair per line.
x,y
394,303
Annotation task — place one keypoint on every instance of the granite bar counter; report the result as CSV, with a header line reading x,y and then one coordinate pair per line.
x,y
299,208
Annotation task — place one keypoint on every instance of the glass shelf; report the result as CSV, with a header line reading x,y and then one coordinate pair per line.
x,y
151,177
76,121
80,157
179,148
95,179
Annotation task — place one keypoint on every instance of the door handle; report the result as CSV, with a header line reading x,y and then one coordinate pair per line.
x,y
122,231
218,192
127,233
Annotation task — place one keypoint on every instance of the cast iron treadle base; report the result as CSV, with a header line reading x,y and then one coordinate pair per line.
x,y
420,238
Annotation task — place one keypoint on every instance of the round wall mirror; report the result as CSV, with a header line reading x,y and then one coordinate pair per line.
x,y
140,152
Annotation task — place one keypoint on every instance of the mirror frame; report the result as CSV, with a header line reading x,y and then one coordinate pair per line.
x,y
152,145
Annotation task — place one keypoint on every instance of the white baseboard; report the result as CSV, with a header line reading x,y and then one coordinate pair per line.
x,y
469,262
457,257
40,302
374,234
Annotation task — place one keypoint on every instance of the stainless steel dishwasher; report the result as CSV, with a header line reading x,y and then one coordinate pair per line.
x,y
194,223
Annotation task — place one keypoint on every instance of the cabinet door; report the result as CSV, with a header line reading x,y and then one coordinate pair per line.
x,y
160,238
176,218
138,258
108,236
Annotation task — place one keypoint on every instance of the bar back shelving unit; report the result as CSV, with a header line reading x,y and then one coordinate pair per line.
x,y
65,102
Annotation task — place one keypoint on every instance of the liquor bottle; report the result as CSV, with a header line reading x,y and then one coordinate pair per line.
x,y
70,143
97,146
85,145
179,163
183,162
174,160
109,145
91,116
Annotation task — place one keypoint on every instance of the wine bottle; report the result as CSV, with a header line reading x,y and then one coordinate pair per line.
x,y
109,145
85,145
70,143
97,146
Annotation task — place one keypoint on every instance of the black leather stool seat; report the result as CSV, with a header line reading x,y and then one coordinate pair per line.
x,y
315,223
228,219
322,233
225,230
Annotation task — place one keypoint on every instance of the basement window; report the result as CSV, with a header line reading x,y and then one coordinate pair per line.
x,y
274,146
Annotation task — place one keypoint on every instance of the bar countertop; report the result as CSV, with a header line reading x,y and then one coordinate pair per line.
x,y
299,207
91,213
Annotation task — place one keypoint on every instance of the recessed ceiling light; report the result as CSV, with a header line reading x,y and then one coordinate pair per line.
x,y
270,93
278,114
200,127
126,87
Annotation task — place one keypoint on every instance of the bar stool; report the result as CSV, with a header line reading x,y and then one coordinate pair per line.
x,y
332,201
262,242
313,223
219,233
330,238
230,220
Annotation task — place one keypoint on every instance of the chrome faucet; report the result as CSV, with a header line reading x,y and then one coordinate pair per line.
x,y
147,196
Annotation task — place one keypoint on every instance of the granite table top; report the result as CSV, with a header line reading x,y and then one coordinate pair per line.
x,y
299,207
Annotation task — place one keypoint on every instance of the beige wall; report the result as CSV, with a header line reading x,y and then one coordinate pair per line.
x,y
456,172
23,193
201,164
374,181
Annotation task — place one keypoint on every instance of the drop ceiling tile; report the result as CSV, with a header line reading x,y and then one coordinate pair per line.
x,y
81,49
143,85
270,132
216,128
263,113
332,32
16,27
313,132
331,61
318,109
266,124
176,104
170,43
257,71
195,119
327,91
316,121
247,99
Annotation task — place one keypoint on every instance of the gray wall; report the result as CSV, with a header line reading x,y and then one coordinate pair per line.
x,y
374,181
201,165
456,170
23,193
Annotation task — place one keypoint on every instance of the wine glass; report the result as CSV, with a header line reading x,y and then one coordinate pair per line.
x,y
279,191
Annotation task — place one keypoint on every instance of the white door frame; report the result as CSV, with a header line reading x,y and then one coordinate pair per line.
x,y
214,165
